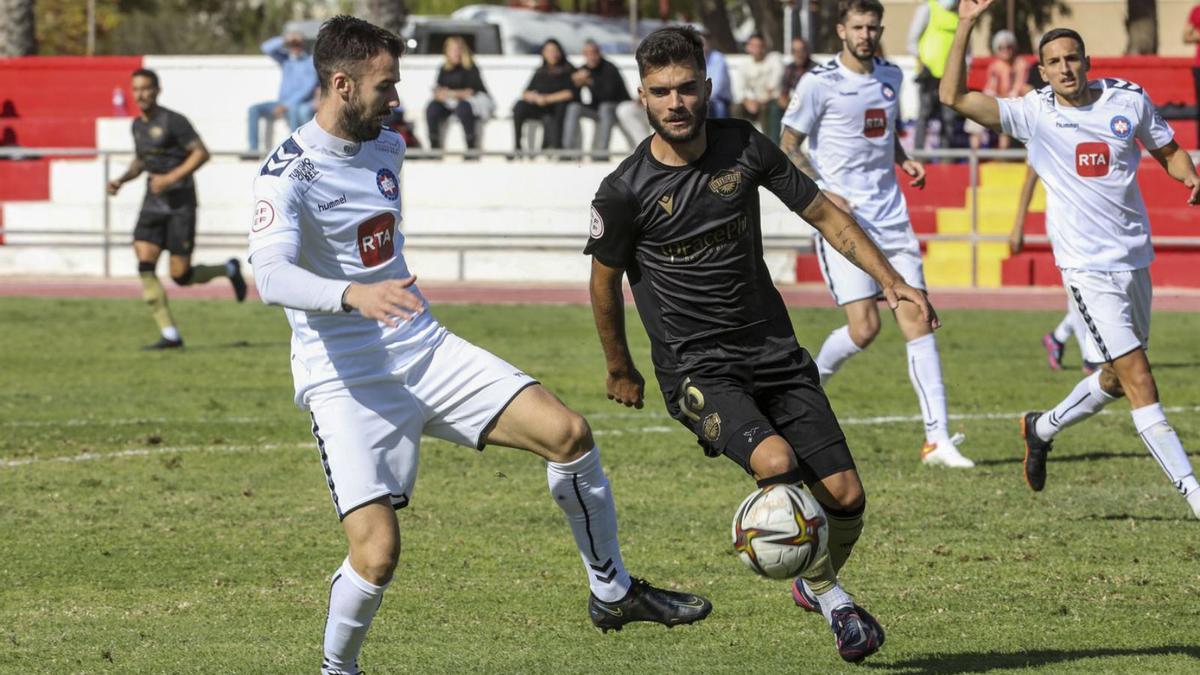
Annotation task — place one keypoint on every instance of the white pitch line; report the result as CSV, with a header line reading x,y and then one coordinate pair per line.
x,y
657,429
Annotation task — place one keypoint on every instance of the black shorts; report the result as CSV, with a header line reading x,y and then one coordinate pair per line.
x,y
174,230
733,407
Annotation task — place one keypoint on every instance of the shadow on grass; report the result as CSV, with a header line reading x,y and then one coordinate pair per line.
x,y
1131,516
985,662
1056,458
237,344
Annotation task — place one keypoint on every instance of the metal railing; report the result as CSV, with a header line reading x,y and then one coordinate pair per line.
x,y
464,243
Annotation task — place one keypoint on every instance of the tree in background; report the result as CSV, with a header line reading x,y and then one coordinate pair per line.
x,y
18,36
715,17
390,14
1031,16
1141,20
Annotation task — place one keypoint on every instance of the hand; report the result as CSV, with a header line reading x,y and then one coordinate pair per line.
x,y
279,111
1193,182
540,99
113,186
529,97
626,387
1016,241
916,170
160,183
386,301
581,77
902,292
751,106
972,9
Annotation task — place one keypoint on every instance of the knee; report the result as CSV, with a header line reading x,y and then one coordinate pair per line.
x,y
377,562
183,279
863,332
1109,382
571,438
768,462
851,499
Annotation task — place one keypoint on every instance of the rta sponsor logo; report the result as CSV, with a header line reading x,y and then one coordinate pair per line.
x,y
264,215
376,240
874,123
1092,159
325,206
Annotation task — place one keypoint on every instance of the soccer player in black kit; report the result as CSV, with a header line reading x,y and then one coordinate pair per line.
x,y
169,150
681,217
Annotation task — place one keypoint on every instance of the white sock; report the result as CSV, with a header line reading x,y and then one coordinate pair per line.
x,y
832,599
1064,329
1163,443
581,490
1085,400
925,371
837,348
352,604
171,333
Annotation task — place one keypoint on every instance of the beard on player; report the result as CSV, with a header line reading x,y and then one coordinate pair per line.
x,y
681,124
863,50
362,124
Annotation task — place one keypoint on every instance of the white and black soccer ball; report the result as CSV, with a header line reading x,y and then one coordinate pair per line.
x,y
779,531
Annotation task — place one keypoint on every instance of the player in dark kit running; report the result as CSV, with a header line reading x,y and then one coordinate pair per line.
x,y
681,217
169,150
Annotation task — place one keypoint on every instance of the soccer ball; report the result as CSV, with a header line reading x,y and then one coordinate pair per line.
x,y
779,531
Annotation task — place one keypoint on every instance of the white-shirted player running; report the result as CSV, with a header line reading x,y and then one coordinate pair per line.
x,y
1082,137
375,368
848,109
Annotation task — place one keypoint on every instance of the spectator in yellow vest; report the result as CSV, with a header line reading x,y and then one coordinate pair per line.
x,y
929,38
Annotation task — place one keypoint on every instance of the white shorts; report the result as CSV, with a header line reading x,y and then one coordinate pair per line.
x,y
1113,308
847,283
369,433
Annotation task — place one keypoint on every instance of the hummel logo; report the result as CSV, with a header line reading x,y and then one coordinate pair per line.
x,y
667,202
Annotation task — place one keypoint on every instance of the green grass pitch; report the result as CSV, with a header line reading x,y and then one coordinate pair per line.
x,y
167,513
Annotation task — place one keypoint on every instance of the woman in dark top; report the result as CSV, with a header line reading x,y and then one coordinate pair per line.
x,y
546,96
458,85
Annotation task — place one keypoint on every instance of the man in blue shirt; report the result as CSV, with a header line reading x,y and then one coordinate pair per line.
x,y
296,89
718,72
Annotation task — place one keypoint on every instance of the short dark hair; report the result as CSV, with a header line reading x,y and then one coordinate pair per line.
x,y
671,45
148,74
859,7
345,42
1057,33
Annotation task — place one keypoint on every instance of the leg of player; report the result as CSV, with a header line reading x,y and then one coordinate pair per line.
x,y
155,296
925,372
356,589
1089,397
1054,341
862,325
535,420
841,495
1160,438
184,273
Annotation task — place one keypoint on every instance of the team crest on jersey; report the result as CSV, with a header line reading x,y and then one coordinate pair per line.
x,y
874,122
889,93
1121,126
596,228
281,158
726,183
376,240
1092,159
388,186
156,132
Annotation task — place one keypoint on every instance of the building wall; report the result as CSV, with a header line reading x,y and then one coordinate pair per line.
x,y
1100,22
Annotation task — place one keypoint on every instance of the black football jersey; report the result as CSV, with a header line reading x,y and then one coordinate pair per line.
x,y
690,240
161,143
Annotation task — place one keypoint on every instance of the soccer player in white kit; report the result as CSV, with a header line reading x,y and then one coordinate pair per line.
x,y
377,371
848,109
1082,137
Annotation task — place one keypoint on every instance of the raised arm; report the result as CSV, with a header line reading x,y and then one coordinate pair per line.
x,y
1016,238
1179,166
624,383
840,230
953,89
